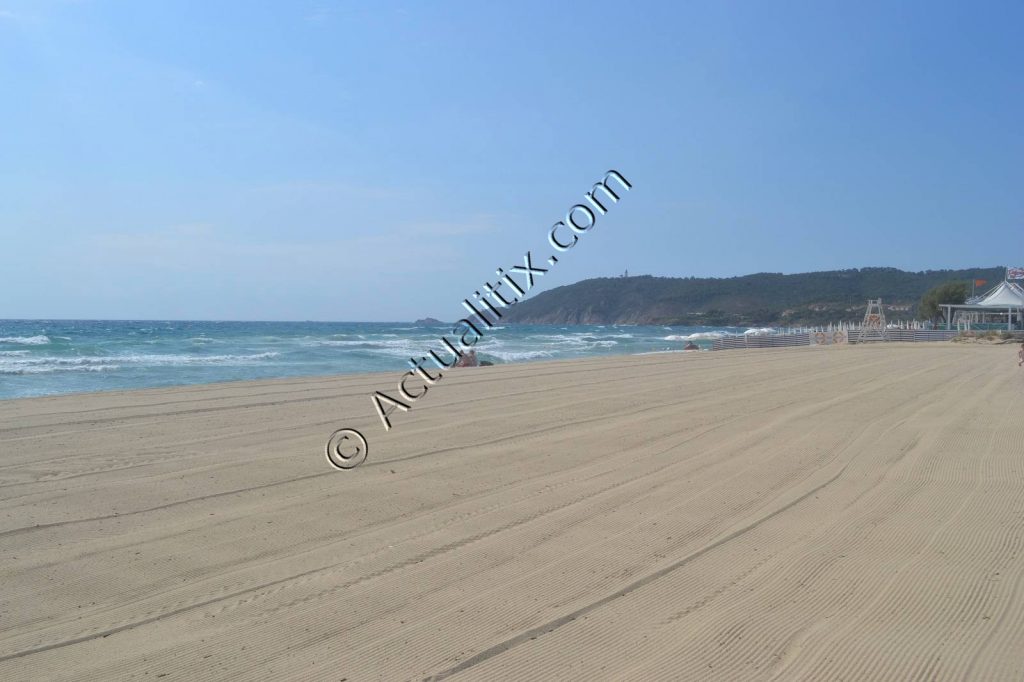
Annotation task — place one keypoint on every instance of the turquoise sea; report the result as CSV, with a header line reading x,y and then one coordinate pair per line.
x,y
45,357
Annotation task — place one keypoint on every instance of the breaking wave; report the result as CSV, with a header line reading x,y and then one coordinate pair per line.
x,y
26,340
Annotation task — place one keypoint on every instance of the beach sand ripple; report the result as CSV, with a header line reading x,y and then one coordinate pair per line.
x,y
814,513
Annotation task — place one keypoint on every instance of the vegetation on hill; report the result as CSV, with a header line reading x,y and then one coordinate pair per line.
x,y
950,292
760,299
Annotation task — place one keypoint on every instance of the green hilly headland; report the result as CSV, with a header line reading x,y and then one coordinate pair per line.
x,y
760,299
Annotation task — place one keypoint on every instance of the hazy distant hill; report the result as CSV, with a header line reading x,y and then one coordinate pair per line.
x,y
761,299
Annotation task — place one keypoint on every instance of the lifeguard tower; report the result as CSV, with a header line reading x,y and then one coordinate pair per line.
x,y
873,328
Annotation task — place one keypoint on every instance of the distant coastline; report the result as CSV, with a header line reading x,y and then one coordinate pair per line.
x,y
763,299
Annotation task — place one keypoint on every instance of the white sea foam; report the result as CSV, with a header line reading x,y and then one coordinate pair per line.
x,y
48,369
516,356
332,342
23,365
26,340
573,343
40,365
759,331
394,347
698,336
176,359
562,339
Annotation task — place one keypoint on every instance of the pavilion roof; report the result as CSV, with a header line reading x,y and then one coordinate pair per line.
x,y
1003,295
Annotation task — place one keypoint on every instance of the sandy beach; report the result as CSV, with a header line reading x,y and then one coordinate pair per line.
x,y
840,513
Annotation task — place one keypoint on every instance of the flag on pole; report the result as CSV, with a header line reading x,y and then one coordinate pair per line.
x,y
980,282
1014,273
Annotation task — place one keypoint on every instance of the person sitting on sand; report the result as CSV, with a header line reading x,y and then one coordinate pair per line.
x,y
690,345
468,360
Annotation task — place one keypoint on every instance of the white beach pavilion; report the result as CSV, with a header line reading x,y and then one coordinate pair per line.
x,y
1000,308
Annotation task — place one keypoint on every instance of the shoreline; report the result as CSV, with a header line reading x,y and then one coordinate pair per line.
x,y
320,377
391,373
81,357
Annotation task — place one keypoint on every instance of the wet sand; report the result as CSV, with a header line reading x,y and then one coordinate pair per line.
x,y
830,513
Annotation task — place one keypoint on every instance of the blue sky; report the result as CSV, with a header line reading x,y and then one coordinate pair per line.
x,y
377,161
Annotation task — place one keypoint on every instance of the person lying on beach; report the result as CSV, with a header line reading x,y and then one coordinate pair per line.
x,y
1020,354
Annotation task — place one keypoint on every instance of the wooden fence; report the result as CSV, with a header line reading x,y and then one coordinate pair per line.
x,y
759,341
823,337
